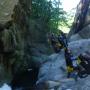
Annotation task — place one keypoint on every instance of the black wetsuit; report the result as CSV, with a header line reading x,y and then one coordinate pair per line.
x,y
85,63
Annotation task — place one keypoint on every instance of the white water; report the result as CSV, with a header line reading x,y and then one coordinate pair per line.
x,y
5,87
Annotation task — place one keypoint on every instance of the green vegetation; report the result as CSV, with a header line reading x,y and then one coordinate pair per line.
x,y
51,13
66,24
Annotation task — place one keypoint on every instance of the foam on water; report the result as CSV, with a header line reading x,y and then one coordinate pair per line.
x,y
5,87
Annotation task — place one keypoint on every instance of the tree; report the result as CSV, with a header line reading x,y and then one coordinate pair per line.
x,y
50,12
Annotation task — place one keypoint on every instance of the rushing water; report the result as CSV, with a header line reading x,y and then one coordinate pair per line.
x,y
5,87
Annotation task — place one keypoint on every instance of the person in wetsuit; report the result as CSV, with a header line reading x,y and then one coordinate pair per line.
x,y
53,40
85,62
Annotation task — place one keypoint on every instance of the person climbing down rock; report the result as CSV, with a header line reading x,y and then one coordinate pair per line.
x,y
53,40
71,64
74,68
60,42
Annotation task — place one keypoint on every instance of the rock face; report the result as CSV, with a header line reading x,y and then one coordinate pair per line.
x,y
53,72
83,34
23,42
81,22
6,9
75,37
10,42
